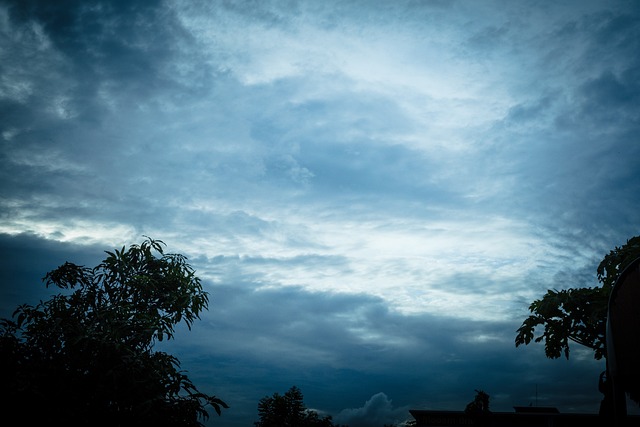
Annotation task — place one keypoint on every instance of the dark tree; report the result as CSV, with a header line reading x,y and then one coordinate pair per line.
x,y
288,411
577,315
479,404
85,357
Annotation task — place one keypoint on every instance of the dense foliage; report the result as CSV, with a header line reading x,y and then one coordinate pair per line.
x,y
288,410
577,314
85,357
479,404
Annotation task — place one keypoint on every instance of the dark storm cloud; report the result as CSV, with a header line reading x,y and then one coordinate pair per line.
x,y
78,64
25,261
342,349
609,98
581,134
126,43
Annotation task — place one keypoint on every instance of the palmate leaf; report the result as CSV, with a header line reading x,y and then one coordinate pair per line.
x,y
577,315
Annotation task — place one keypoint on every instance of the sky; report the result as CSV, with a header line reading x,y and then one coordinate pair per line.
x,y
372,192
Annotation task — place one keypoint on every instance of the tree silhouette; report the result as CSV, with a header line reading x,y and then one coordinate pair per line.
x,y
85,357
577,315
479,404
288,410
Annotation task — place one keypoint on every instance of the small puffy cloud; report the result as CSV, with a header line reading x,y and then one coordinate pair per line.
x,y
375,412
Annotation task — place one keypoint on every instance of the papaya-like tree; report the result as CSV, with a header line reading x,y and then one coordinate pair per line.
x,y
86,356
577,315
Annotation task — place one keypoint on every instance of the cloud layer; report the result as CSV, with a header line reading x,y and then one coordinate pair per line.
x,y
373,191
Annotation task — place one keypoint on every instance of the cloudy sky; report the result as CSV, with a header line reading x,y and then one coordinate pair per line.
x,y
371,191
